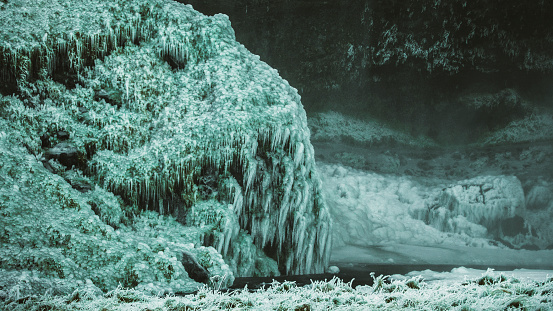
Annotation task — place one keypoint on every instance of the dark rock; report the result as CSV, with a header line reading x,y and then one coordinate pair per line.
x,y
530,247
45,139
63,135
194,269
513,226
47,165
65,153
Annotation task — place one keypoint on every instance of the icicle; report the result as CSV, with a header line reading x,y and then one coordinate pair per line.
x,y
289,264
250,173
267,201
285,137
309,256
298,233
264,230
298,155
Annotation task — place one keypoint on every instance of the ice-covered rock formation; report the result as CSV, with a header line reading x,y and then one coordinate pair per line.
x,y
371,209
485,200
168,111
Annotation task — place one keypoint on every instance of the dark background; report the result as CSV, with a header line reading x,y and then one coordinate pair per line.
x,y
417,65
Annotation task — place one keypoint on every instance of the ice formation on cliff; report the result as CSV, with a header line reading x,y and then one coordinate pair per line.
x,y
375,209
484,201
187,115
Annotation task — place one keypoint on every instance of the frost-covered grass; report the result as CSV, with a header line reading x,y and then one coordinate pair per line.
x,y
332,126
488,292
534,127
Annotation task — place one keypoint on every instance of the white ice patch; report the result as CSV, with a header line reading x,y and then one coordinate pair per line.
x,y
462,274
372,209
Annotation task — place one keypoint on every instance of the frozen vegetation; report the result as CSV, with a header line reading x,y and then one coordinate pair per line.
x,y
480,291
49,231
133,132
334,126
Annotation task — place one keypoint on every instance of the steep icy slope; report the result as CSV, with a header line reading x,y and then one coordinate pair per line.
x,y
159,105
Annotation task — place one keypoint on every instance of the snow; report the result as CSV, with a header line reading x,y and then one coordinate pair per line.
x,y
333,126
462,274
408,220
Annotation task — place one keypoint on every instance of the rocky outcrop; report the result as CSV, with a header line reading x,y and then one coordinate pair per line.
x,y
170,112
487,201
193,268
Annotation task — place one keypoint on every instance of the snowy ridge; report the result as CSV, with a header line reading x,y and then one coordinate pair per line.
x,y
333,126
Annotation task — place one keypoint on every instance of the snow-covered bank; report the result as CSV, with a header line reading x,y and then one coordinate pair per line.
x,y
462,274
399,203
402,254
